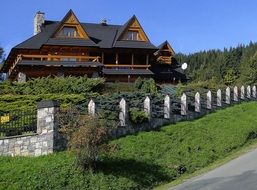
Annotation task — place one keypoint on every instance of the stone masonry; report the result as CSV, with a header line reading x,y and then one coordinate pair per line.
x,y
45,141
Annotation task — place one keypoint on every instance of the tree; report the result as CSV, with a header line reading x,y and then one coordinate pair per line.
x,y
252,77
1,63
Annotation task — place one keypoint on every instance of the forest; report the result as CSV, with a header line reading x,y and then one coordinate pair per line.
x,y
234,65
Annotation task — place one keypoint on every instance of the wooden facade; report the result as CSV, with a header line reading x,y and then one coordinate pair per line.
x,y
68,47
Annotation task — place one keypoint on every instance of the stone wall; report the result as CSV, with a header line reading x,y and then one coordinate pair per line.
x,y
45,141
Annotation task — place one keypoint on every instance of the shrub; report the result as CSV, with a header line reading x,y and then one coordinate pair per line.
x,y
47,85
87,137
146,85
137,116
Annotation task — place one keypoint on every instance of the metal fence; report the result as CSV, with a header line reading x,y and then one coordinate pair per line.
x,y
18,122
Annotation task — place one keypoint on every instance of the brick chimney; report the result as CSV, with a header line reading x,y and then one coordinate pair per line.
x,y
39,19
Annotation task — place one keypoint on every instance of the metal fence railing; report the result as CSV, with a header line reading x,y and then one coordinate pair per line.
x,y
18,122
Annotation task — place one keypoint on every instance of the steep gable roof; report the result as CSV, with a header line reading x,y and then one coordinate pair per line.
x,y
167,44
103,36
70,19
132,22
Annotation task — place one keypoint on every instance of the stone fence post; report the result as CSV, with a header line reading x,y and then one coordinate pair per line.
x,y
209,100
167,107
227,95
254,92
197,102
122,114
91,108
147,107
219,98
183,100
47,127
235,94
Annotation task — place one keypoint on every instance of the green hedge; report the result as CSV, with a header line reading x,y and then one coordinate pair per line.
x,y
62,85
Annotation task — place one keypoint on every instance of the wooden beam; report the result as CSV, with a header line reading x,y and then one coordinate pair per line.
x,y
102,57
138,66
147,59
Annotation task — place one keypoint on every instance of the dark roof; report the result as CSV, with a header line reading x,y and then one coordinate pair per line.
x,y
127,72
60,63
103,36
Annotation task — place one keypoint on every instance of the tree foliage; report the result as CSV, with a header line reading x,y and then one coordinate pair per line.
x,y
232,65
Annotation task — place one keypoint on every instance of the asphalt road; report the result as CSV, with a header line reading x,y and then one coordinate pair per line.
x,y
238,174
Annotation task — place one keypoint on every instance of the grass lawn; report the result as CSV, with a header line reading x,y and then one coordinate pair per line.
x,y
141,161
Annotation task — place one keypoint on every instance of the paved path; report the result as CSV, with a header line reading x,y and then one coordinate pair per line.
x,y
238,174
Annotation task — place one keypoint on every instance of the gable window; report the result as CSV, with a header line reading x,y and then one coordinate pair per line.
x,y
69,31
132,35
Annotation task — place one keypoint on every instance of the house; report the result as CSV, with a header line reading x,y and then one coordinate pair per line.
x,y
69,47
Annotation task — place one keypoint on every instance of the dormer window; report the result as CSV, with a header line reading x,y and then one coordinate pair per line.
x,y
69,32
132,35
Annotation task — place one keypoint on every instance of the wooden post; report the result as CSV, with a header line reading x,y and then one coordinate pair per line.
x,y
117,59
183,104
254,92
219,104
197,102
122,114
167,107
227,95
147,106
102,57
208,103
235,94
147,59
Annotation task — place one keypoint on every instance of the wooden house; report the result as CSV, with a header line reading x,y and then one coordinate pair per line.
x,y
70,47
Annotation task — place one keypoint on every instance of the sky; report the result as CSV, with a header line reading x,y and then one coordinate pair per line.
x,y
189,25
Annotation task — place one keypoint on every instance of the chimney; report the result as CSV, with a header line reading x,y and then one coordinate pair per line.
x,y
39,19
104,22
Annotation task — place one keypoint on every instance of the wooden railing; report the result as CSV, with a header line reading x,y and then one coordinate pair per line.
x,y
60,57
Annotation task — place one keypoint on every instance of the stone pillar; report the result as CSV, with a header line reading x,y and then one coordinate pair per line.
x,y
219,104
197,102
208,103
167,107
122,114
21,77
242,93
248,92
91,108
184,104
227,95
47,127
254,92
147,106
235,94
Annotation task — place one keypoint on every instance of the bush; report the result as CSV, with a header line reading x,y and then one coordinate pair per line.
x,y
48,85
137,116
146,85
87,137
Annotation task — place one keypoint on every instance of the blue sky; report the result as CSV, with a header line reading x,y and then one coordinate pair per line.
x,y
189,25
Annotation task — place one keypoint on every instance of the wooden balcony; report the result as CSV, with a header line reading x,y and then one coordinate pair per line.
x,y
164,59
52,58
60,58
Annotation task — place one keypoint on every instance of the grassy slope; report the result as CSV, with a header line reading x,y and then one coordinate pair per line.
x,y
141,161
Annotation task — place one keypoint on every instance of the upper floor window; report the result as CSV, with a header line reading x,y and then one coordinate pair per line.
x,y
70,32
132,35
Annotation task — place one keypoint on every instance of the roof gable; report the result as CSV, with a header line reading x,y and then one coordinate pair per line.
x,y
70,20
166,46
132,25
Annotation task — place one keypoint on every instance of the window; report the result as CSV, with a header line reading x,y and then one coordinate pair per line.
x,y
71,32
132,35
